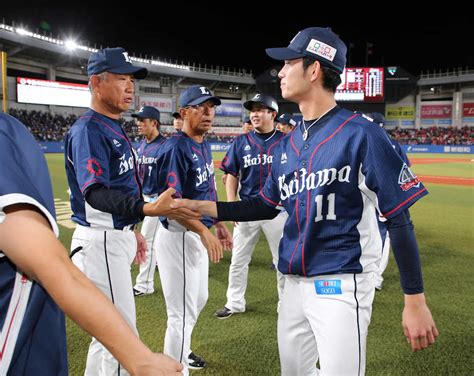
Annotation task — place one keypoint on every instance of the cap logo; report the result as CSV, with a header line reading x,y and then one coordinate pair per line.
x,y
321,49
126,57
204,91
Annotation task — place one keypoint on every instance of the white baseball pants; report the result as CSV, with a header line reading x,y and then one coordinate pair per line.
x,y
246,235
383,261
146,277
319,320
183,264
105,258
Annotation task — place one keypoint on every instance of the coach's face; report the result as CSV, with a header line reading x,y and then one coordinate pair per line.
x,y
114,92
199,118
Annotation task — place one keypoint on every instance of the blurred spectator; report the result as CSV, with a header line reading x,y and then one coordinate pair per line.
x,y
52,127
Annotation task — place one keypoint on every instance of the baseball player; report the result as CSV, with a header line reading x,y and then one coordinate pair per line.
x,y
106,197
148,122
35,269
247,162
286,123
183,263
334,171
379,119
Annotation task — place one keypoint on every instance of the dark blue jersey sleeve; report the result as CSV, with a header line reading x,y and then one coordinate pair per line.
x,y
231,162
90,151
385,178
271,190
24,175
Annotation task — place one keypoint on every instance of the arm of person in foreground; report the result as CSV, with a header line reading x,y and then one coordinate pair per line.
x,y
253,209
418,324
27,240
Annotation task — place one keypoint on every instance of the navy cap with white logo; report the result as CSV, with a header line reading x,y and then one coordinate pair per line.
x,y
286,119
377,118
148,112
266,100
196,94
113,60
319,43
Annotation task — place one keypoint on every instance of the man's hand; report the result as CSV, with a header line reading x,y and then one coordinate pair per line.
x,y
418,324
141,249
224,236
212,244
161,207
159,365
204,207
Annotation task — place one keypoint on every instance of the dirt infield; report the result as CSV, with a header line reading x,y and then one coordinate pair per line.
x,y
446,180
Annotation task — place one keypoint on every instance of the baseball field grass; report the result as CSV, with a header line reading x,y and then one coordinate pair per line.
x,y
245,344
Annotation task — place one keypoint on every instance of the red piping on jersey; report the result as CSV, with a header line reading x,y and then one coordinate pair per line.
x,y
266,198
297,240
87,183
103,123
308,193
198,151
404,202
11,322
293,145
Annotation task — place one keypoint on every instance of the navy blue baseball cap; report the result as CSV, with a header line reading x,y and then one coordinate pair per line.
x,y
247,120
176,115
266,100
196,94
319,43
377,118
148,112
286,119
114,60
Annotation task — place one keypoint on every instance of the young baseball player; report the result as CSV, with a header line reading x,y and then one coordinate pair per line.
x,y
183,263
335,170
106,195
247,163
148,122
36,274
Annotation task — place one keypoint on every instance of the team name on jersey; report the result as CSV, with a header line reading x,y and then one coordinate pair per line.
x,y
202,176
146,160
254,161
126,164
302,180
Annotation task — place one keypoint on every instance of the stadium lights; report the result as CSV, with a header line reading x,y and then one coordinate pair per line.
x,y
22,31
71,45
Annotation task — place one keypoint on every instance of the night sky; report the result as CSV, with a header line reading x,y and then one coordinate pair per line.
x,y
212,34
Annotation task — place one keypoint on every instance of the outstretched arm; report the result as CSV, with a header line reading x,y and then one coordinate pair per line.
x,y
27,240
418,324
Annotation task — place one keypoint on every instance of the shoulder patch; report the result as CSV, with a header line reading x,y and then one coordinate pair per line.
x,y
407,179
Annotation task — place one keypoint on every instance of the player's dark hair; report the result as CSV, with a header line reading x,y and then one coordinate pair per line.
x,y
331,79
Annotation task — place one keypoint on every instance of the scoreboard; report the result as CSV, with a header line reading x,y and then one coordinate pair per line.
x,y
361,85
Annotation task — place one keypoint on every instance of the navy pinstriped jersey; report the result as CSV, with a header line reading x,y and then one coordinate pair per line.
x,y
32,339
330,186
250,158
147,164
187,166
97,151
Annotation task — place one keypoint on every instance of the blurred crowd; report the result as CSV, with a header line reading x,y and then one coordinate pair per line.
x,y
434,136
52,127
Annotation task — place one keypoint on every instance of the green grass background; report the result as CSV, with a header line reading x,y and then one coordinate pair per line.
x,y
245,344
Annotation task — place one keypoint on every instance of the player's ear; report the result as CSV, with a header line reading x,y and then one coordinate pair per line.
x,y
94,81
182,112
315,70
